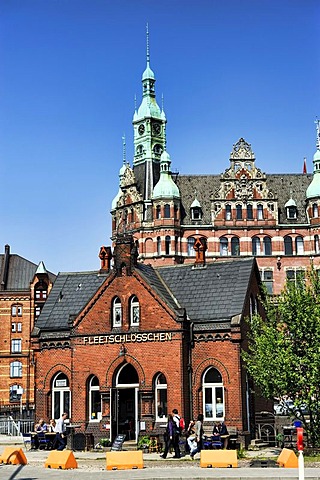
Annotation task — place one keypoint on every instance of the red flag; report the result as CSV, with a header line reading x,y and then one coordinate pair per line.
x,y
304,171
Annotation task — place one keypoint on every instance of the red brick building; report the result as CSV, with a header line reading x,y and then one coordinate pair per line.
x,y
132,342
24,287
242,212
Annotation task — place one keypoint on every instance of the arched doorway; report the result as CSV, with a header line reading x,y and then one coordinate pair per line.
x,y
125,402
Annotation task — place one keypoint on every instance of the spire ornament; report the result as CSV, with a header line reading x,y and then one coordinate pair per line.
x,y
148,48
317,122
124,152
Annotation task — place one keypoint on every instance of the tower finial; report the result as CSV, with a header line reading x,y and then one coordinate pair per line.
x,y
162,102
148,49
317,122
124,148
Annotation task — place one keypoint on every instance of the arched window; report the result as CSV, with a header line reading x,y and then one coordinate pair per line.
x,y
167,244
167,211
131,215
260,211
15,369
235,246
157,149
249,212
213,395
315,213
316,244
159,246
94,399
239,212
158,212
139,149
116,312
256,247
267,247
161,397
61,401
288,250
223,247
134,311
228,212
299,246
191,250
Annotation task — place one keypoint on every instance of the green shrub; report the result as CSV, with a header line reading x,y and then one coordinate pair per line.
x,y
144,442
105,442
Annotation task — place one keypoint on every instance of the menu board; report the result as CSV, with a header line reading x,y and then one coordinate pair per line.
x,y
118,442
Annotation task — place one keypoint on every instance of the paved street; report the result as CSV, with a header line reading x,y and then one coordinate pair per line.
x,y
93,464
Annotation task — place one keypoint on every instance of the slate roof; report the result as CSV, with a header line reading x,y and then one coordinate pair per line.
x,y
282,186
204,292
69,295
20,273
215,293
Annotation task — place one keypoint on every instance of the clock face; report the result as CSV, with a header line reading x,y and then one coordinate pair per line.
x,y
141,129
156,128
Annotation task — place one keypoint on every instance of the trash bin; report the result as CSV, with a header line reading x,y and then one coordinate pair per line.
x,y
76,441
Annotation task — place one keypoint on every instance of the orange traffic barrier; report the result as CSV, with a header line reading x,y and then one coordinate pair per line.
x,y
124,460
287,459
63,460
13,456
218,458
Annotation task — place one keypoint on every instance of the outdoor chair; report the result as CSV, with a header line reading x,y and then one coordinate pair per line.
x,y
27,440
43,441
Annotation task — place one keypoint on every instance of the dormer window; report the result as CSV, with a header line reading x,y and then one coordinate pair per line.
x,y
196,213
292,212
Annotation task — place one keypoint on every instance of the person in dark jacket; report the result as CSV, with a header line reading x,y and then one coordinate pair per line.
x,y
170,438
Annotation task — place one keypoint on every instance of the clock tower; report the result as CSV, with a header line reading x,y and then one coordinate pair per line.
x,y
149,123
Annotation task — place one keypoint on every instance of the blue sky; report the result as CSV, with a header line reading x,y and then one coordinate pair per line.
x,y
69,70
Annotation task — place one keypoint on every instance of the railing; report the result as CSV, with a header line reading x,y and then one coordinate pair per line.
x,y
8,426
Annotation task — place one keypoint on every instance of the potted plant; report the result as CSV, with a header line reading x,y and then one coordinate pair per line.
x,y
105,443
144,443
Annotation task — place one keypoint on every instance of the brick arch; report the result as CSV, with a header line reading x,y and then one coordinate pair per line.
x,y
117,362
210,362
53,371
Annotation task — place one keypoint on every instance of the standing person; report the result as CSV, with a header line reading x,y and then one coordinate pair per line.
x,y
169,436
176,436
60,429
199,435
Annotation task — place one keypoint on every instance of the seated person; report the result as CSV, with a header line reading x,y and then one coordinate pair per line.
x,y
40,427
51,426
190,437
224,434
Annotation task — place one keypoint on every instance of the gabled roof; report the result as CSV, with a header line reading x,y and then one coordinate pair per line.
x,y
215,293
203,292
20,273
69,295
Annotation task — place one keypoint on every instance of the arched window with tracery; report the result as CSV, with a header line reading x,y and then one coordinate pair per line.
x,y
116,312
213,395
134,311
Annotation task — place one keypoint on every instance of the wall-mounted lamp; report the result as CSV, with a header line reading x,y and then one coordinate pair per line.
x,y
279,263
122,351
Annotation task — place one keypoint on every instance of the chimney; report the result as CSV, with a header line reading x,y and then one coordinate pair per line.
x,y
125,254
105,256
200,247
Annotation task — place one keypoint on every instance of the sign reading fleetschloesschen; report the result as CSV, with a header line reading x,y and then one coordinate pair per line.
x,y
128,338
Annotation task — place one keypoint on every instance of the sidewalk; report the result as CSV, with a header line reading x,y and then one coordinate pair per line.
x,y
94,464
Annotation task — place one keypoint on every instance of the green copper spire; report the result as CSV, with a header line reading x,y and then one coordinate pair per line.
x,y
314,188
165,188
